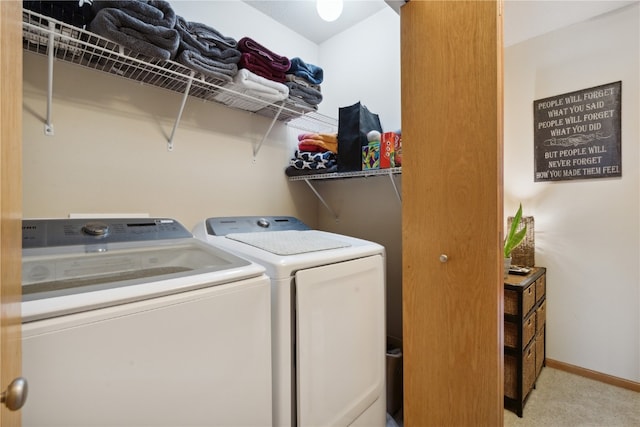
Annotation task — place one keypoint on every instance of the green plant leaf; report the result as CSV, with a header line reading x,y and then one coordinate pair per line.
x,y
514,237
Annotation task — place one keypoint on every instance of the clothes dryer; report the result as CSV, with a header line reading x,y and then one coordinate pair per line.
x,y
131,322
328,318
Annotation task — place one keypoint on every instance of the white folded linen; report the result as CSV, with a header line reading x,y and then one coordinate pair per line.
x,y
251,92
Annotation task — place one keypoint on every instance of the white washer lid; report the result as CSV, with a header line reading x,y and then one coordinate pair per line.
x,y
290,242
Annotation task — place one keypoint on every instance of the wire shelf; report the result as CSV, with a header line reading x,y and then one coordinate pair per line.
x,y
77,46
343,175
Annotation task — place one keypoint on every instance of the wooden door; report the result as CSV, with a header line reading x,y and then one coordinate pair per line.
x,y
451,55
10,198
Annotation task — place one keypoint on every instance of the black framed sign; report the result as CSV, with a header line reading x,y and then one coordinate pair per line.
x,y
577,134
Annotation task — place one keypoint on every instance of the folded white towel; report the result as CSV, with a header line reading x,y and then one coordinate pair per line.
x,y
255,91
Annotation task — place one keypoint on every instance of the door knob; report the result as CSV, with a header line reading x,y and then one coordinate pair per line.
x,y
444,258
15,395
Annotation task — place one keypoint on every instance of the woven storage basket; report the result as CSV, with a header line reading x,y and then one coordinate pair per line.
x,y
529,367
511,300
541,287
511,332
528,372
510,376
541,316
539,351
524,254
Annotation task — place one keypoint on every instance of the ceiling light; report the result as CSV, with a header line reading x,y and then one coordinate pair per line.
x,y
329,10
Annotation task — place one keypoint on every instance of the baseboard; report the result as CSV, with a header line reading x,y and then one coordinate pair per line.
x,y
598,376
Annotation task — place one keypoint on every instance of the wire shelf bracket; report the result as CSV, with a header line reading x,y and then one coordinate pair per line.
x,y
391,172
48,126
326,205
395,187
256,148
182,104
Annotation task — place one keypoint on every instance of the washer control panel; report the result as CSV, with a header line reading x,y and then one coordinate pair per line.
x,y
221,226
42,233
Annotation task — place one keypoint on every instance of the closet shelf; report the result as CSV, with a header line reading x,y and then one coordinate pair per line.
x,y
342,175
390,172
47,36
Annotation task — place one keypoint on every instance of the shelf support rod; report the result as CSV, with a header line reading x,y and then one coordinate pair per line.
x,y
321,199
48,126
256,149
395,187
182,104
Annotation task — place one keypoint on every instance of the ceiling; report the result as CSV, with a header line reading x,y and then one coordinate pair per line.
x,y
301,16
523,19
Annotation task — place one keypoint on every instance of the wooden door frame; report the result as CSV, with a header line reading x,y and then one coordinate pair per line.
x,y
10,199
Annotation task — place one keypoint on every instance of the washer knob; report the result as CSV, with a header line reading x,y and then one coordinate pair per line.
x,y
95,228
263,223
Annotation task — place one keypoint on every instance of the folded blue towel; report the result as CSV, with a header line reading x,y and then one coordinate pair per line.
x,y
305,160
312,73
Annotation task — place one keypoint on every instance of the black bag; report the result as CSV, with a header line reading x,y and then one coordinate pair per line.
x,y
354,123
75,13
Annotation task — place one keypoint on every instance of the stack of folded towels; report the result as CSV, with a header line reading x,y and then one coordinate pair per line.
x,y
207,51
145,27
260,78
316,153
152,29
258,91
303,81
262,61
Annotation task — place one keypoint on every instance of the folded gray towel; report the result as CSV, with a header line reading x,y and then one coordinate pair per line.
x,y
154,12
307,94
149,40
301,81
207,66
206,40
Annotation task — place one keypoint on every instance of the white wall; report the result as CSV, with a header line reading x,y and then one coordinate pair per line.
x,y
363,64
587,231
109,153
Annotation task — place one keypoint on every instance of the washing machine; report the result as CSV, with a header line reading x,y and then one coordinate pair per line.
x,y
134,322
328,317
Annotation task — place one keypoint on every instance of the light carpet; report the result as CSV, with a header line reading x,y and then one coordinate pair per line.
x,y
567,400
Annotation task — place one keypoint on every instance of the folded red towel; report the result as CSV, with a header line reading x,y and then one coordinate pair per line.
x,y
311,147
275,61
254,64
306,144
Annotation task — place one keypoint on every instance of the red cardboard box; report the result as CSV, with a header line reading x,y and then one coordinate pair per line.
x,y
388,143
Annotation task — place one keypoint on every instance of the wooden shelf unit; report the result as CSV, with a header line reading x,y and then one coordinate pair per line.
x,y
525,304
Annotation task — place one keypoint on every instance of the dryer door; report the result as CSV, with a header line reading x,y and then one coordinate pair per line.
x,y
340,341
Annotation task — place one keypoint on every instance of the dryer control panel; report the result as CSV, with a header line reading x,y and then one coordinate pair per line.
x,y
221,226
43,233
